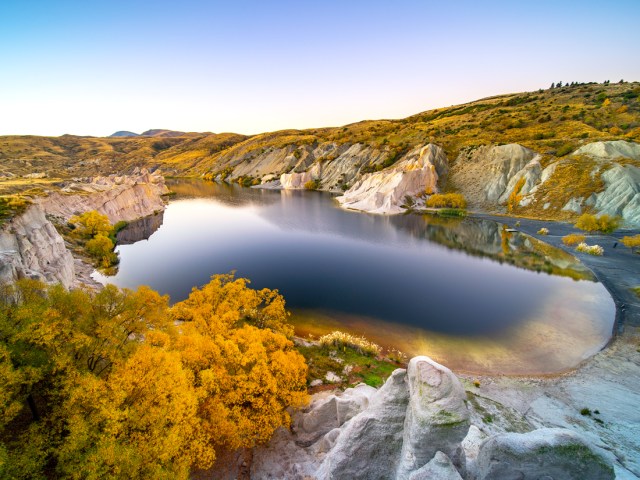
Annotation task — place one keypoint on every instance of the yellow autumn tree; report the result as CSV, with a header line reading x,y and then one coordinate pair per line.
x,y
91,223
101,385
247,376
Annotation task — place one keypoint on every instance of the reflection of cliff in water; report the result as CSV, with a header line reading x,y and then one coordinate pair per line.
x,y
231,195
140,229
485,238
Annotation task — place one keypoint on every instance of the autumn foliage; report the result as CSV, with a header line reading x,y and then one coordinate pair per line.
x,y
119,384
446,200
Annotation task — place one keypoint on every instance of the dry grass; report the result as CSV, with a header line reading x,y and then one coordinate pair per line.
x,y
344,340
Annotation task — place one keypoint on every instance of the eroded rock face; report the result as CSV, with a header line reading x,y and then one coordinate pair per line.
x,y
554,453
404,430
30,247
440,468
621,195
296,181
437,418
610,150
385,191
118,197
369,444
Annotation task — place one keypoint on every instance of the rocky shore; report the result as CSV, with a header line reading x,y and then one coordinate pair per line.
x,y
31,247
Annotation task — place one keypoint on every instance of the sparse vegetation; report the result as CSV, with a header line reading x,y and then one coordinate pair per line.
x,y
573,239
590,249
344,340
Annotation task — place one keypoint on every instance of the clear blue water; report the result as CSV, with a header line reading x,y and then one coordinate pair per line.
x,y
449,278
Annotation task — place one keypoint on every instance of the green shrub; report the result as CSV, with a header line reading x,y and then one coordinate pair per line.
x,y
564,150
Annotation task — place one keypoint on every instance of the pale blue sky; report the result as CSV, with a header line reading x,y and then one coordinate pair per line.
x,y
91,68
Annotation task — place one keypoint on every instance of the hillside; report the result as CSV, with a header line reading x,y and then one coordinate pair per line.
x,y
549,126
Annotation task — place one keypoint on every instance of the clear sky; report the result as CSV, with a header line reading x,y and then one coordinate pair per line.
x,y
93,67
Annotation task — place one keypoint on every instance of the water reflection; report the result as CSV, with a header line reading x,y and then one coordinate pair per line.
x,y
421,283
140,229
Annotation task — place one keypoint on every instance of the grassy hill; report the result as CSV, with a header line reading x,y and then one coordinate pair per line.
x,y
553,122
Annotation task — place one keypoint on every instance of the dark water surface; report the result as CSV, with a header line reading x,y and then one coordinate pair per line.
x,y
467,292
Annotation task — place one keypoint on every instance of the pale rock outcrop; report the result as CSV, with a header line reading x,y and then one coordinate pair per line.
x,y
532,173
621,195
504,162
437,417
610,150
118,197
545,453
30,247
488,174
369,444
296,181
332,412
471,446
439,467
404,430
385,191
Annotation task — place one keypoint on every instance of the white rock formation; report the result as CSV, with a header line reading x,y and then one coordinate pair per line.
x,y
30,247
404,431
385,191
439,467
488,174
118,197
369,444
437,417
296,181
610,150
503,163
621,195
555,453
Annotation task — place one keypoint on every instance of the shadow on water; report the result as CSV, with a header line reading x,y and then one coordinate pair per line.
x,y
443,287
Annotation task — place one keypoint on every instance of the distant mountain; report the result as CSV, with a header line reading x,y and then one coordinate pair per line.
x,y
124,133
160,132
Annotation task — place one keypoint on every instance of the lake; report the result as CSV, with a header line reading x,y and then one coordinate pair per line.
x,y
467,292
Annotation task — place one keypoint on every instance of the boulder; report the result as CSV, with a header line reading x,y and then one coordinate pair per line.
x,y
369,444
437,417
438,468
555,453
331,412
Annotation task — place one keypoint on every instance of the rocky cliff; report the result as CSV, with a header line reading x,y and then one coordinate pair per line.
x,y
602,176
126,197
386,191
30,247
418,425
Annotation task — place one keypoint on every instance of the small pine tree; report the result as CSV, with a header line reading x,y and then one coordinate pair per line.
x,y
553,85
559,85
